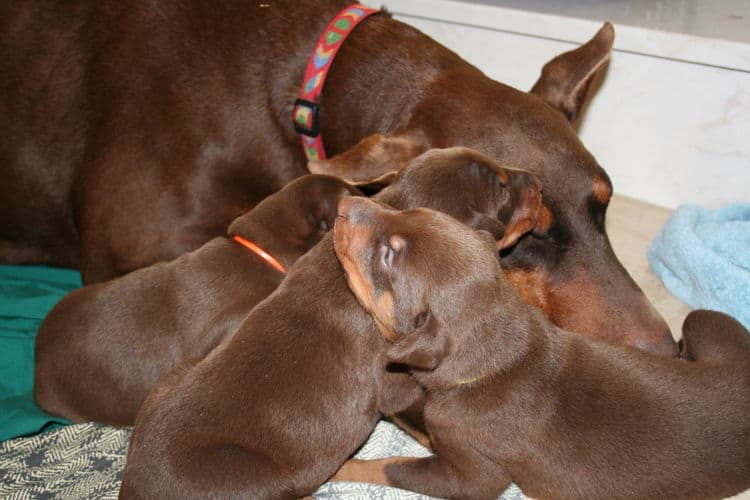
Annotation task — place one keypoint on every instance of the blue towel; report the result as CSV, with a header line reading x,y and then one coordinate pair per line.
x,y
703,257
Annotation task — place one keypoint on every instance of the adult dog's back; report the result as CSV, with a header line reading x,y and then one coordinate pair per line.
x,y
133,132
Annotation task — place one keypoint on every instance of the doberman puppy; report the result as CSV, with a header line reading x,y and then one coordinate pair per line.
x,y
103,347
274,411
131,133
510,397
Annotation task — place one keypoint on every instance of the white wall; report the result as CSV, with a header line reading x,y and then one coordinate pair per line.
x,y
671,122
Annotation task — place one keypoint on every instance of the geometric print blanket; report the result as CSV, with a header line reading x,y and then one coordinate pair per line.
x,y
85,461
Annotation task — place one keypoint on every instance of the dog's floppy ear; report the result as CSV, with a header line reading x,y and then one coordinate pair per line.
x,y
376,159
566,80
521,212
423,348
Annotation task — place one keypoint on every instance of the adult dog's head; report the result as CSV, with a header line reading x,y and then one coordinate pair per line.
x,y
565,265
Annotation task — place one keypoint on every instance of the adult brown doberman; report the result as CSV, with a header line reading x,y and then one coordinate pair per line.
x,y
133,132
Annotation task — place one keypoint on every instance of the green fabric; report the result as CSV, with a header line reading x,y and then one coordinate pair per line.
x,y
27,293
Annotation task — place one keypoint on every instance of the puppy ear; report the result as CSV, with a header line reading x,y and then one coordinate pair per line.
x,y
566,80
521,212
423,349
376,159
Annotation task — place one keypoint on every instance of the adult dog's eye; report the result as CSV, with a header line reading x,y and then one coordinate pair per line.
x,y
386,256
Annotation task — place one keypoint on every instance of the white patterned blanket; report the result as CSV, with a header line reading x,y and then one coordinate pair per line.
x,y
86,461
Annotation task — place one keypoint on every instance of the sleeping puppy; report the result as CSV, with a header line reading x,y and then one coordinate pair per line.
x,y
510,397
103,347
274,411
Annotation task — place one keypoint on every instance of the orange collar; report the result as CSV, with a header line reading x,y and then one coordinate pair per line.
x,y
261,253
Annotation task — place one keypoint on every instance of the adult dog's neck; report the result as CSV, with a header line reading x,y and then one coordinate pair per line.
x,y
381,58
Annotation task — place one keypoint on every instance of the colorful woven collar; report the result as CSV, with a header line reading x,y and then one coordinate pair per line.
x,y
305,116
261,253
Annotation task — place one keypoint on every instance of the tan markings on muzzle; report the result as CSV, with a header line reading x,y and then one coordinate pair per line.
x,y
579,305
532,286
575,305
618,315
572,305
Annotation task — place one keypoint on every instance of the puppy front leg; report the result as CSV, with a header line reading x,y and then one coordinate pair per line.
x,y
433,476
461,477
402,400
366,471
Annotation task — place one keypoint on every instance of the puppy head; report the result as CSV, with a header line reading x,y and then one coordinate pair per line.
x,y
419,273
471,188
295,218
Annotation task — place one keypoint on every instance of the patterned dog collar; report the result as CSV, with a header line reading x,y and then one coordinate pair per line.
x,y
305,116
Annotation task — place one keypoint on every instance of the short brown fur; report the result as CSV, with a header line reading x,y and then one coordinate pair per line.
x,y
133,132
274,412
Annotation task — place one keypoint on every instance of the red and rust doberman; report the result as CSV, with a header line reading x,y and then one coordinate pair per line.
x,y
103,347
274,411
133,132
511,397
